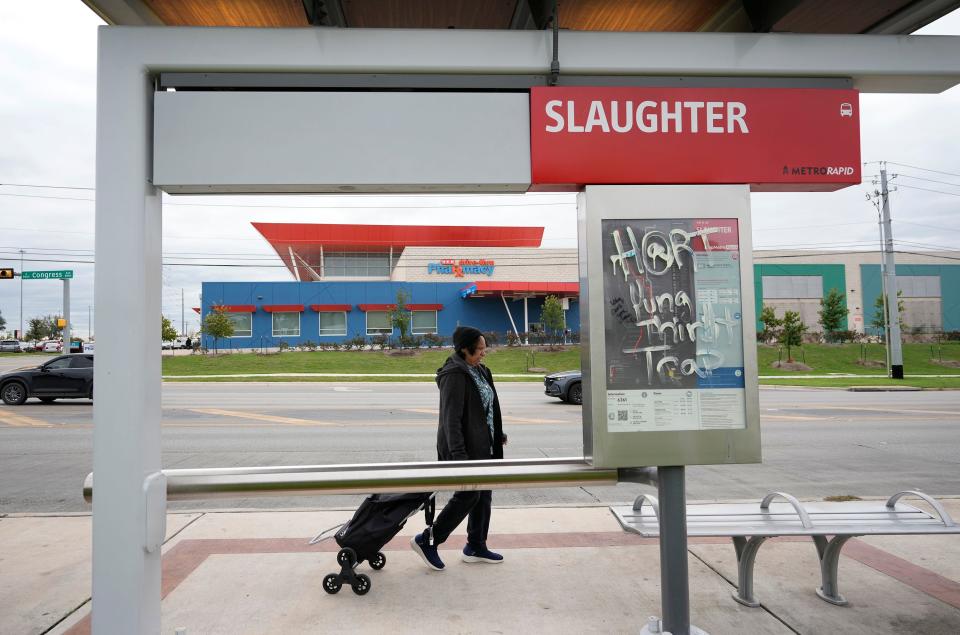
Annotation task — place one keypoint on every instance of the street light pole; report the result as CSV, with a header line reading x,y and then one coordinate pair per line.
x,y
21,294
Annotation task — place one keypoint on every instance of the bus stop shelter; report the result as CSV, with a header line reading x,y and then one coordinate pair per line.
x,y
368,97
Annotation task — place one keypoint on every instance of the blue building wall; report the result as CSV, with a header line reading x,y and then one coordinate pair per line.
x,y
949,290
486,313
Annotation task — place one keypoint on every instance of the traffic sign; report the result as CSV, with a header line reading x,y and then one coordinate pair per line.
x,y
6,273
63,274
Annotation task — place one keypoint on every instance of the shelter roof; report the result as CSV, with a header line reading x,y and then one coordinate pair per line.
x,y
743,16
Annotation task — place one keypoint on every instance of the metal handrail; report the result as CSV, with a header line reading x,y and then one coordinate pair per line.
x,y
944,516
312,480
801,512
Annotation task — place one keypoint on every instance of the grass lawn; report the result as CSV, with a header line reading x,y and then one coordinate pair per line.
x,y
823,359
843,358
499,360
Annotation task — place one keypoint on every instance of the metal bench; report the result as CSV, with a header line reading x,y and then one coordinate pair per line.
x,y
750,525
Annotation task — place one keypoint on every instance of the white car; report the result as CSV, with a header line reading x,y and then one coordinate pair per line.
x,y
52,347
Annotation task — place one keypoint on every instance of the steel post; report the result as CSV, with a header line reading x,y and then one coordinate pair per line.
x,y
674,579
66,315
126,413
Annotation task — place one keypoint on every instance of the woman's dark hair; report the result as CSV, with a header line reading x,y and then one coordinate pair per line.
x,y
466,337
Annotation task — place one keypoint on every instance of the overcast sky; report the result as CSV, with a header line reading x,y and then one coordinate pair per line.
x,y
47,137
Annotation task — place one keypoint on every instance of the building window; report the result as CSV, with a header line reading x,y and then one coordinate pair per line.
x,y
356,264
919,286
378,322
286,324
333,323
242,324
791,287
424,322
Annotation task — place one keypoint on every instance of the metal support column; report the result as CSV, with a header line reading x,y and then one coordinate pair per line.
x,y
66,315
674,576
674,588
126,413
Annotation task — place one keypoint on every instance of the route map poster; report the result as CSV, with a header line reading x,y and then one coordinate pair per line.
x,y
673,324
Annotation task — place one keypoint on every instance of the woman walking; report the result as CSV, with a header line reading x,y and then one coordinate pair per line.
x,y
470,429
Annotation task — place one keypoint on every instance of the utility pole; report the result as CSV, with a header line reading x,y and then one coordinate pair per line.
x,y
89,324
183,324
890,278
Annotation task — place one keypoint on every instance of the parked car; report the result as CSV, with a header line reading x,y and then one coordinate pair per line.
x,y
63,377
11,346
568,386
53,347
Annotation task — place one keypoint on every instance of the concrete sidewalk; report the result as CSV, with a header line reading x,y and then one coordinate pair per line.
x,y
566,570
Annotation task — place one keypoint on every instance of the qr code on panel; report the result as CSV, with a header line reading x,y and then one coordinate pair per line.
x,y
622,415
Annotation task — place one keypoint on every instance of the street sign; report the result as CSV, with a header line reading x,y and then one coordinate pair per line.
x,y
6,273
63,274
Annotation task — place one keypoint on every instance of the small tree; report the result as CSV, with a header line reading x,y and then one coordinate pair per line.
x,y
791,332
771,324
3,322
552,316
167,332
43,328
217,324
879,320
833,312
400,317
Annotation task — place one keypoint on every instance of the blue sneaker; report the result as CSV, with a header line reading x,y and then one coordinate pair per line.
x,y
427,552
480,555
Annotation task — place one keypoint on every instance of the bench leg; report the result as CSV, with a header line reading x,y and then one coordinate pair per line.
x,y
829,552
746,555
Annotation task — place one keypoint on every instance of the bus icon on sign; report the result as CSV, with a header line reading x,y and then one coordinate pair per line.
x,y
846,110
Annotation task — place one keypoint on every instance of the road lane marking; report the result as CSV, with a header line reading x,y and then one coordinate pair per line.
x,y
256,416
507,419
22,421
890,410
792,418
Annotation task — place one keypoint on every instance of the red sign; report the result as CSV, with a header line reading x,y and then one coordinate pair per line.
x,y
775,139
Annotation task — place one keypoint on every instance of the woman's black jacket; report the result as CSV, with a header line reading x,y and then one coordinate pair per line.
x,y
463,433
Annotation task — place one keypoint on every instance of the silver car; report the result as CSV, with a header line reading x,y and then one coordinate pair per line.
x,y
11,346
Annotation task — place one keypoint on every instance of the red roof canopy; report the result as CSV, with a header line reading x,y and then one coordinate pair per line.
x,y
391,307
487,287
282,308
329,308
382,237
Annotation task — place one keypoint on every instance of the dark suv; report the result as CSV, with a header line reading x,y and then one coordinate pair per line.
x,y
63,377
568,386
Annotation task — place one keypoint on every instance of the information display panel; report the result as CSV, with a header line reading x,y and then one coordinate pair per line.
x,y
670,368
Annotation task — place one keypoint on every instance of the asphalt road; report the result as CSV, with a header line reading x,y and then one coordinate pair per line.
x,y
815,442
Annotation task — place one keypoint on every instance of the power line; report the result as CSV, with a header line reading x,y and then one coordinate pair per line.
x,y
50,187
908,176
925,189
929,226
916,167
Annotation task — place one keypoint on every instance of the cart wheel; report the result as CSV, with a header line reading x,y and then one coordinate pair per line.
x,y
332,583
346,557
361,585
379,561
